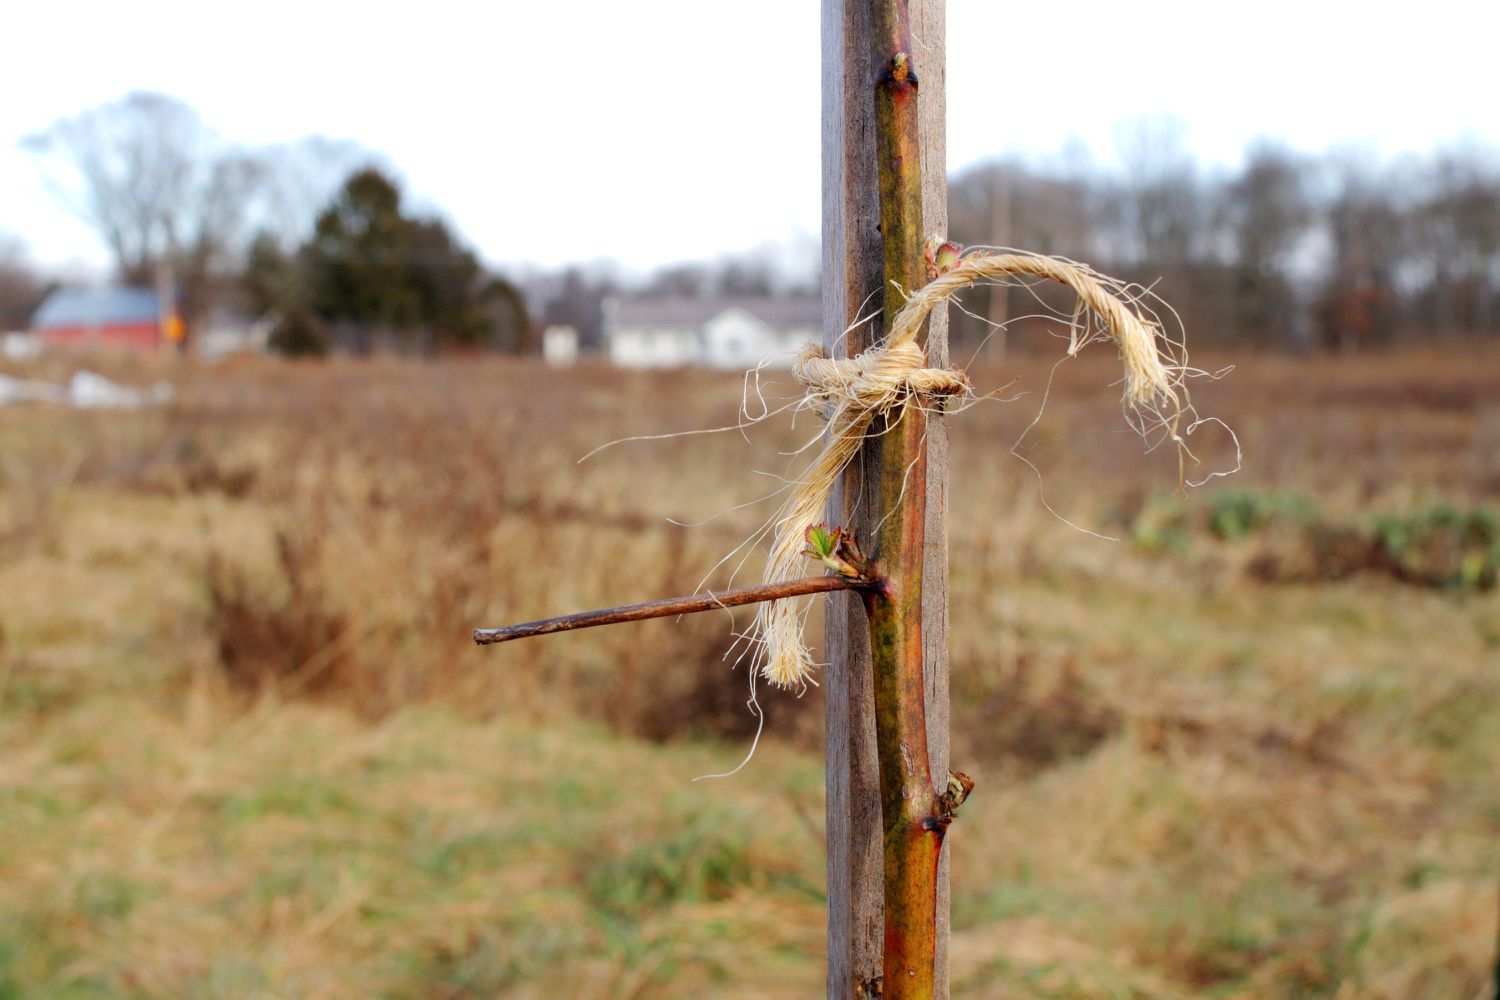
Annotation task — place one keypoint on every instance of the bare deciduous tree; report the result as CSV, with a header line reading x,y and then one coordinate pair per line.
x,y
158,187
303,177
1266,211
1367,232
1457,237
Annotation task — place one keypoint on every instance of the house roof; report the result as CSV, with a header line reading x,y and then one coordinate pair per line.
x,y
696,312
68,307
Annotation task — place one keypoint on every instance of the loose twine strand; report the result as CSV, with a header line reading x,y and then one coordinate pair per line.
x,y
893,375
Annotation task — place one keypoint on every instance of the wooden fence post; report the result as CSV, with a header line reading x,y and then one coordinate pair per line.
x,y
852,286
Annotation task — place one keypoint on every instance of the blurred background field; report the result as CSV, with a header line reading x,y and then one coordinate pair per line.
x,y
247,749
1238,744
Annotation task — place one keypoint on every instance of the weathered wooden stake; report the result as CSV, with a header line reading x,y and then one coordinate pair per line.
x,y
884,168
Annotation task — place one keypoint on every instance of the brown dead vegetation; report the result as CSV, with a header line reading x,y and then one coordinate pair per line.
x,y
1260,766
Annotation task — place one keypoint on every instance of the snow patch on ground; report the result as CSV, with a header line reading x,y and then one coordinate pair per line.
x,y
86,390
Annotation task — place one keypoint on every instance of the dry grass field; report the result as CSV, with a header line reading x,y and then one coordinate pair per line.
x,y
1249,749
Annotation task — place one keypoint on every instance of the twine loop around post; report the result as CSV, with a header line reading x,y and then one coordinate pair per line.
x,y
876,380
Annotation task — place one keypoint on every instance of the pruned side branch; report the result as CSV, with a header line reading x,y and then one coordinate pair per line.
x,y
668,607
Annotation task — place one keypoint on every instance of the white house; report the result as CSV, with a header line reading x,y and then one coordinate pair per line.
x,y
560,345
713,333
226,332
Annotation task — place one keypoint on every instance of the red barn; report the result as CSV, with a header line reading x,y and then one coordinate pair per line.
x,y
128,318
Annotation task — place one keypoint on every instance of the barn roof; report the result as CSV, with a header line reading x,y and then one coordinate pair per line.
x,y
696,312
69,307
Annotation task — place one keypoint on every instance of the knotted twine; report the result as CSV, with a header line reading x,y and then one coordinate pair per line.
x,y
893,375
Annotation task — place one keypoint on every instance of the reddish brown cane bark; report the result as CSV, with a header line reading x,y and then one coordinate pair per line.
x,y
911,813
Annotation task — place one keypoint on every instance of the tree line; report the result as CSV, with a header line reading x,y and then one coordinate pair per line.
x,y
1285,251
1339,251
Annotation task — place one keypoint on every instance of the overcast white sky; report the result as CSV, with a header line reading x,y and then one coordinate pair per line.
x,y
663,130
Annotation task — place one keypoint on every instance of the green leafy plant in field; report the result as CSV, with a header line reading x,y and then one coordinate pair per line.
x,y
1234,515
1443,547
1162,526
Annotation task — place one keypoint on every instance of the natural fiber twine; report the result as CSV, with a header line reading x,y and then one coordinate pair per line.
x,y
893,375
